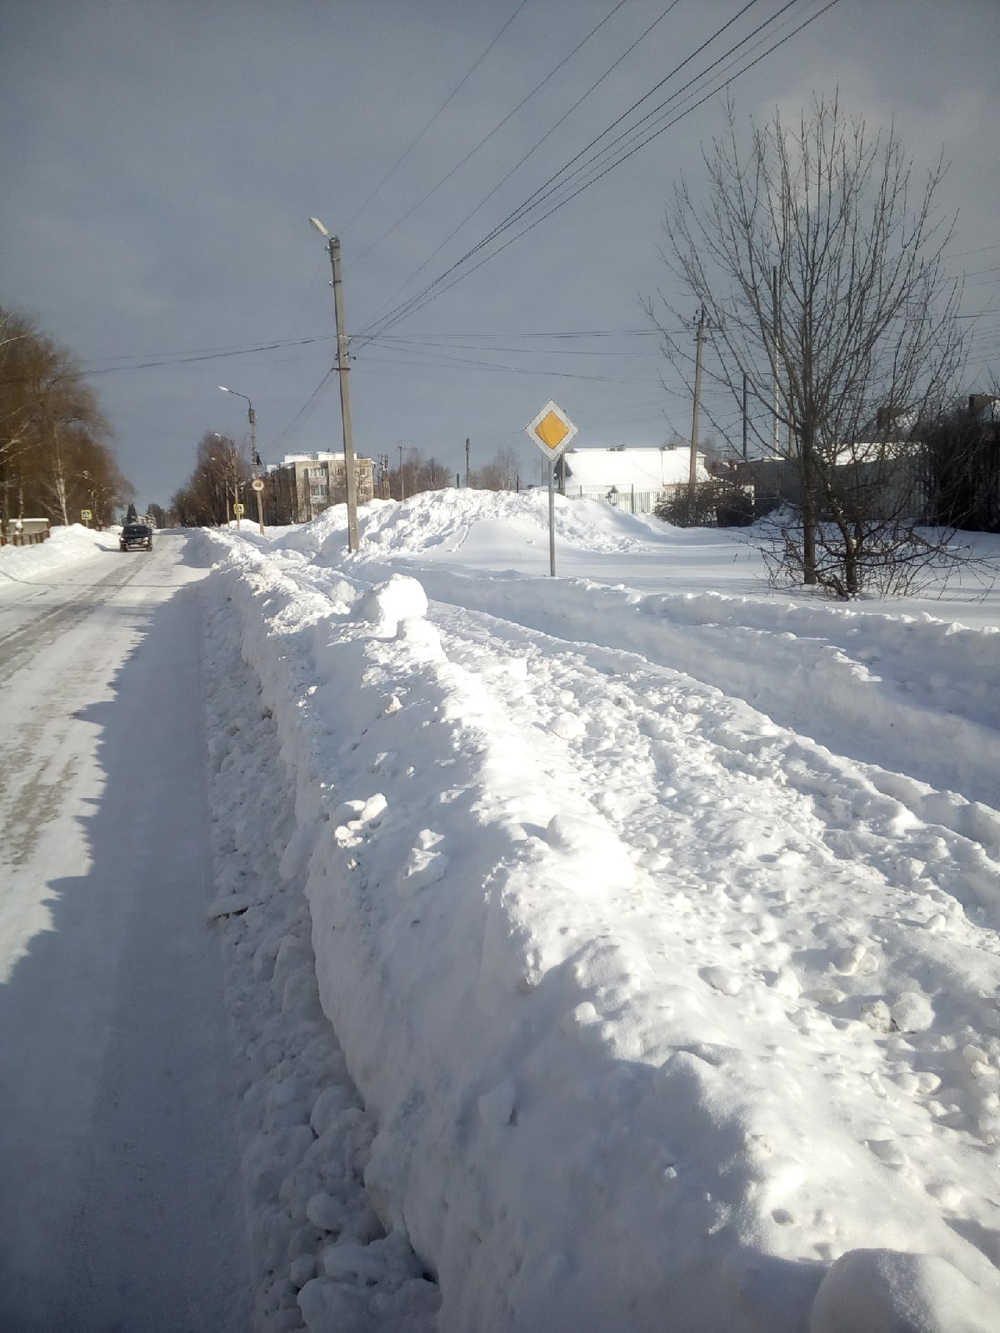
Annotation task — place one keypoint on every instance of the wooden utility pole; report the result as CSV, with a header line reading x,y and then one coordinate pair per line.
x,y
402,487
746,414
343,366
775,444
255,457
693,467
466,464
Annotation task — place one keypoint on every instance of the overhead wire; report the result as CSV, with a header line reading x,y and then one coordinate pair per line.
x,y
486,138
539,193
451,96
429,294
553,181
544,194
208,354
595,29
536,145
305,411
559,178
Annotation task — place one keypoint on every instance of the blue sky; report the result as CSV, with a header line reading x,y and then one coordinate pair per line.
x,y
161,161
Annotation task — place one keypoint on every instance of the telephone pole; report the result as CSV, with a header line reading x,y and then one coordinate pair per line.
x,y
254,457
466,464
693,468
343,367
776,351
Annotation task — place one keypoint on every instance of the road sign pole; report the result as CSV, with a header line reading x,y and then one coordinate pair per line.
x,y
552,519
553,432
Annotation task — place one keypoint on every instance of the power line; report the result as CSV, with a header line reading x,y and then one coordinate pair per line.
x,y
467,363
496,128
549,187
434,289
660,112
305,411
185,358
399,162
188,356
538,142
540,193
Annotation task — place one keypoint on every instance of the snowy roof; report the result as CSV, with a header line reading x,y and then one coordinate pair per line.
x,y
321,456
645,469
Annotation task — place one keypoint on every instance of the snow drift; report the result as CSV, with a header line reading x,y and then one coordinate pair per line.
x,y
661,1009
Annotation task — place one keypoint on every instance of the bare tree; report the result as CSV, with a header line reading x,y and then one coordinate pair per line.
x,y
500,473
219,481
54,455
818,258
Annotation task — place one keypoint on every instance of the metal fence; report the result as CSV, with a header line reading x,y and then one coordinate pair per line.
x,y
628,499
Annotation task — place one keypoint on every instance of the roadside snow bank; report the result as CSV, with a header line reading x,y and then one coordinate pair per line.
x,y
478,526
568,1140
65,546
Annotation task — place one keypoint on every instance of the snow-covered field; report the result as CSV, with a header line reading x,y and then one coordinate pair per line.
x,y
652,916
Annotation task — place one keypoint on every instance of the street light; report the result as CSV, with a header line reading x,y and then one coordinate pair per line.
x,y
254,454
253,423
343,366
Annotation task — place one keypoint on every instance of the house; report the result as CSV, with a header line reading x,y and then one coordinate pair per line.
x,y
634,479
303,485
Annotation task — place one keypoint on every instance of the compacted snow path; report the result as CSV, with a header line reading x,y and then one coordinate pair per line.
x,y
120,1205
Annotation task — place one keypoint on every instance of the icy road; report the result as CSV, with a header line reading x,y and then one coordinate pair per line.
x,y
120,1205
408,941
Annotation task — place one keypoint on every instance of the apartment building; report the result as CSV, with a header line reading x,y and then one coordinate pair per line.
x,y
303,485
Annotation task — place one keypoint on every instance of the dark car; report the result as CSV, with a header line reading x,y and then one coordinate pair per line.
x,y
136,534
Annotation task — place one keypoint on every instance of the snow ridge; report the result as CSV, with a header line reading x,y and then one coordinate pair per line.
x,y
657,1007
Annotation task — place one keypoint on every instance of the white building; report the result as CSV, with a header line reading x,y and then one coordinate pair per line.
x,y
633,479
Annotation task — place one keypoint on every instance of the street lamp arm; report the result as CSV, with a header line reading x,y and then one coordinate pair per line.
x,y
251,417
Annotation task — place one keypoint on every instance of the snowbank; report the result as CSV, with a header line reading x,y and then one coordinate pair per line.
x,y
661,1009
65,546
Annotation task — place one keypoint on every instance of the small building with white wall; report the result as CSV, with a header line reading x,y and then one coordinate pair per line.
x,y
633,479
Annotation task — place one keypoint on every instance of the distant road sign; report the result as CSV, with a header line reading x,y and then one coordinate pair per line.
x,y
551,430
238,509
257,484
86,515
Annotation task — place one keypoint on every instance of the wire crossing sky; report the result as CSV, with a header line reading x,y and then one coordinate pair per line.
x,y
497,176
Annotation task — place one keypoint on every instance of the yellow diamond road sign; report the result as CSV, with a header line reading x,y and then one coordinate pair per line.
x,y
551,430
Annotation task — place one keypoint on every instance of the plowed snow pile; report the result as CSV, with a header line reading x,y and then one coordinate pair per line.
x,y
658,925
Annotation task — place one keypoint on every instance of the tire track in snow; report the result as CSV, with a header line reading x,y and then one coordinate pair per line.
x,y
19,646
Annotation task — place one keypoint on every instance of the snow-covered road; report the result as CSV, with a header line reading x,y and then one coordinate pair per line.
x,y
595,959
119,1198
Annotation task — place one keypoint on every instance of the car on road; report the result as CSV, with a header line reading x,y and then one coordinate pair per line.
x,y
136,534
